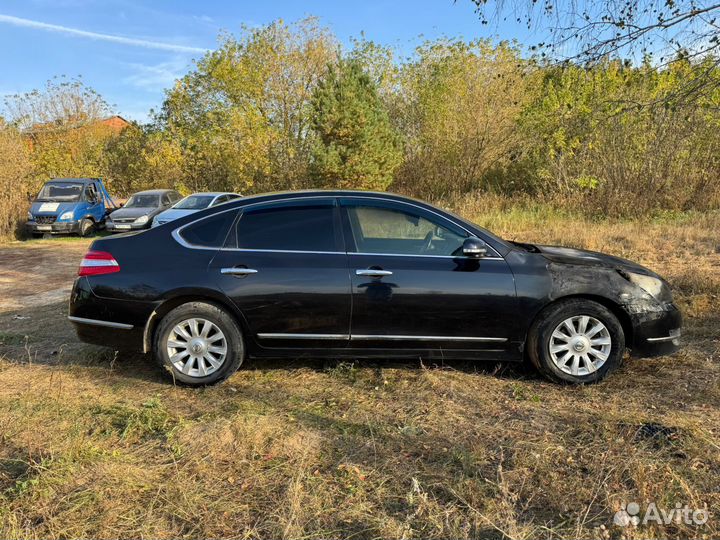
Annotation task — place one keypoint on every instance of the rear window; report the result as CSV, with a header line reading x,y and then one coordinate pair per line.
x,y
209,232
293,228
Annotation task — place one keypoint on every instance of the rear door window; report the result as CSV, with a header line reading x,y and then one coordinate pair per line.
x,y
209,232
289,227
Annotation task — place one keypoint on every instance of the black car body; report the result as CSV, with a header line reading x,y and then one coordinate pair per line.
x,y
140,209
358,274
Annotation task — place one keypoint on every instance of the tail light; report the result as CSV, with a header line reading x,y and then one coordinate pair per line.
x,y
95,263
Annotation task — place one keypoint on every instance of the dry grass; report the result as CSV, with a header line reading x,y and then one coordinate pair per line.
x,y
98,446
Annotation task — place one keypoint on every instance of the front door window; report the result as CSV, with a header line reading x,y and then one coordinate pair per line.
x,y
392,231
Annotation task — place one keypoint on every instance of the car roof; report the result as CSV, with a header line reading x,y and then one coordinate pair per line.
x,y
213,193
326,193
76,180
153,192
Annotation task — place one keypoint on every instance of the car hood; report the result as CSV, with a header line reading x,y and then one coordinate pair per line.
x,y
134,212
564,255
174,213
51,208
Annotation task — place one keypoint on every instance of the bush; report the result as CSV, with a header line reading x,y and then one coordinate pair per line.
x,y
15,188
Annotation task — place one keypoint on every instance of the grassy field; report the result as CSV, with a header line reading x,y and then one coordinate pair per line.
x,y
97,445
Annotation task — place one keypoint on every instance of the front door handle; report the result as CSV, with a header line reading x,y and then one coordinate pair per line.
x,y
372,272
238,271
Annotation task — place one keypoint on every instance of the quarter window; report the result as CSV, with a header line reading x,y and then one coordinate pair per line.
x,y
305,228
392,231
209,232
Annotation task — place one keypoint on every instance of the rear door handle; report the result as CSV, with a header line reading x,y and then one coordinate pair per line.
x,y
373,272
238,271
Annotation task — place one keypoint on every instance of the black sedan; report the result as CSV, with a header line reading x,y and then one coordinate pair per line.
x,y
140,209
358,274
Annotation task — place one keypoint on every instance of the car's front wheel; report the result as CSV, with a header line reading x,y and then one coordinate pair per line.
x,y
576,341
86,227
199,344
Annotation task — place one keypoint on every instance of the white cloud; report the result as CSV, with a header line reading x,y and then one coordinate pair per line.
x,y
28,23
157,76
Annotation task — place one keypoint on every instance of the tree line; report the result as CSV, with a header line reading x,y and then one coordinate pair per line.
x,y
285,107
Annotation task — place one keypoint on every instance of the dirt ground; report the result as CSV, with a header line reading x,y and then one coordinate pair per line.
x,y
97,445
35,282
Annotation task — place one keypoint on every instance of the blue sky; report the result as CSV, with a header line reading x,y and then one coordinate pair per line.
x,y
130,50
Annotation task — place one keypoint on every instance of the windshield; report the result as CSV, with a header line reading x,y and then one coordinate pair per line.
x,y
195,202
69,192
143,201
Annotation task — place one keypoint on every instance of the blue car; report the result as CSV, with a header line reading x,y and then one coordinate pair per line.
x,y
70,205
191,204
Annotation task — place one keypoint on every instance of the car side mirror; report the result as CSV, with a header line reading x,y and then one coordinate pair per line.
x,y
474,247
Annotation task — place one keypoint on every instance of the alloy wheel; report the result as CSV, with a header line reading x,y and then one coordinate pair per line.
x,y
580,345
197,347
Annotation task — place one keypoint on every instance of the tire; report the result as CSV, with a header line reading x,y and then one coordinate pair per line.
x,y
576,359
198,369
86,227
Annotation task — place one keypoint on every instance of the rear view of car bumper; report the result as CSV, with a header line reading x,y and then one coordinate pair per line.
x,y
107,333
104,321
657,333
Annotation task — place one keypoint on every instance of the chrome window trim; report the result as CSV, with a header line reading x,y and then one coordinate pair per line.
x,y
96,322
281,335
184,243
180,240
360,253
406,203
284,251
427,256
371,337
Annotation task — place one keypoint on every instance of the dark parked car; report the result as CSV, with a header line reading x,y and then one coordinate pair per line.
x,y
357,274
141,208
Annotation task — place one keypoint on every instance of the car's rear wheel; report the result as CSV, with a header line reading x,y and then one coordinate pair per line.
x,y
576,341
199,344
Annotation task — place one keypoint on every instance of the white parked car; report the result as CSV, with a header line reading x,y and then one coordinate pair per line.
x,y
191,204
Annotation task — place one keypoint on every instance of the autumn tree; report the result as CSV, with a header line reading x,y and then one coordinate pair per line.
x,y
461,105
585,33
355,144
14,170
242,116
60,124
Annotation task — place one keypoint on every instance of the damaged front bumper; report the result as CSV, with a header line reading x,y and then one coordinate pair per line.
x,y
655,331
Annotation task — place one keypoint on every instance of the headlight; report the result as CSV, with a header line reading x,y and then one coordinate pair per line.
x,y
651,285
66,215
30,216
141,220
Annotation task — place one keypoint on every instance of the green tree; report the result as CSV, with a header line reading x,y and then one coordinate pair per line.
x,y
241,117
462,102
356,145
